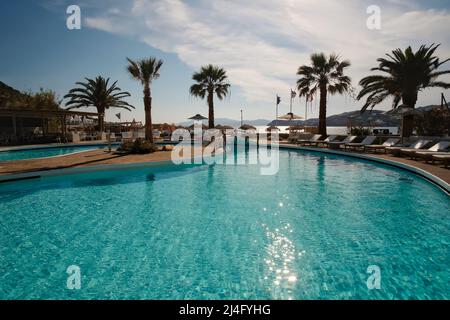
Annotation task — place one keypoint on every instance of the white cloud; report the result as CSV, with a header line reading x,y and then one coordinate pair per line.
x,y
262,42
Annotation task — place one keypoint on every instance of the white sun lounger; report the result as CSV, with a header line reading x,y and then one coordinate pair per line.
x,y
328,139
367,140
338,144
315,138
414,146
437,149
388,143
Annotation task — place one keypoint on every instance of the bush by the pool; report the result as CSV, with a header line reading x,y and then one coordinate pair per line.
x,y
139,146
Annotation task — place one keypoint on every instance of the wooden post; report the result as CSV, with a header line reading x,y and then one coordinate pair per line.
x,y
14,125
44,131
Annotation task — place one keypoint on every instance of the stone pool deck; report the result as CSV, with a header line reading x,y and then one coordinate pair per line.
x,y
435,169
81,159
102,157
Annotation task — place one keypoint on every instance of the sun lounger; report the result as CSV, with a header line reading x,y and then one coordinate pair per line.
x,y
445,159
367,140
428,156
388,143
323,142
438,147
315,138
293,137
338,144
419,144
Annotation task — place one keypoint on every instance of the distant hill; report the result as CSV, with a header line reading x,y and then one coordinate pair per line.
x,y
8,94
11,98
378,118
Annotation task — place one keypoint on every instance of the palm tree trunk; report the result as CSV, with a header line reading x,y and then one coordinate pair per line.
x,y
410,99
211,109
148,114
323,111
101,119
408,120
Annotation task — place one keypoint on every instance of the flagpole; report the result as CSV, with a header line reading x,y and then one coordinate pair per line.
x,y
290,108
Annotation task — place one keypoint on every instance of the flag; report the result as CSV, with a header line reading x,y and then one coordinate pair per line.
x,y
118,115
278,100
293,94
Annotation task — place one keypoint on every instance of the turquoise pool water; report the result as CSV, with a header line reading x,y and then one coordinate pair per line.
x,y
44,152
226,232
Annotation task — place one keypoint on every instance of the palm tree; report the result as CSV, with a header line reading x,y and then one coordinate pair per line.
x,y
145,71
407,73
326,75
97,93
210,80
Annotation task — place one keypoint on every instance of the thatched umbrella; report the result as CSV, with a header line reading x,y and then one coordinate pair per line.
x,y
272,128
290,116
224,127
198,117
247,127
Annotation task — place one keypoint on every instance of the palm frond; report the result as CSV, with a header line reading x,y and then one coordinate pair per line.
x,y
97,93
210,78
323,71
408,72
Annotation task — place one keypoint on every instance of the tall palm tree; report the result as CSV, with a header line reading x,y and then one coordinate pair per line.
x,y
406,73
146,70
97,93
210,80
326,75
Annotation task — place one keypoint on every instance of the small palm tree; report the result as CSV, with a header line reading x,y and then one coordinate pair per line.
x,y
406,73
210,80
97,93
326,75
145,71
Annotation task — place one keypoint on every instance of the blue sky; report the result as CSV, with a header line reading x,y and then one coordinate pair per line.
x,y
261,43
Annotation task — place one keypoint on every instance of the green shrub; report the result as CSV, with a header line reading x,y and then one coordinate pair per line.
x,y
139,146
435,122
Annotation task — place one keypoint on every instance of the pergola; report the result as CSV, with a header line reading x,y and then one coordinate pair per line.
x,y
38,118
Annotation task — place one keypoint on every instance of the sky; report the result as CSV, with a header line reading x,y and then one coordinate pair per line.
x,y
261,44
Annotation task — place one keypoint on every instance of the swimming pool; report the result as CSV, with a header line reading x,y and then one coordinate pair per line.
x,y
33,153
226,232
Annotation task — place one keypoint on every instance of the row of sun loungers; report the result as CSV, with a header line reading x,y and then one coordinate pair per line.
x,y
422,149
